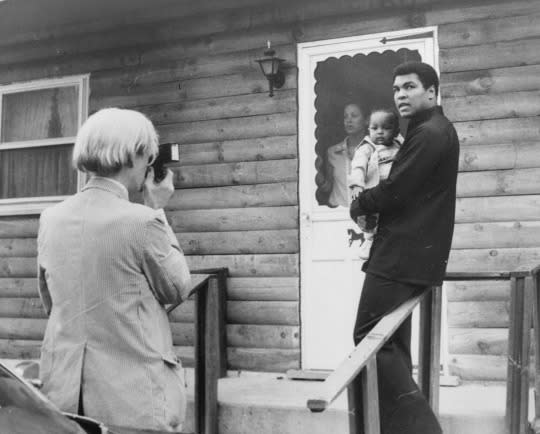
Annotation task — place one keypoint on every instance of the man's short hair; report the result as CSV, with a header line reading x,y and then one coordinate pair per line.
x,y
111,138
426,74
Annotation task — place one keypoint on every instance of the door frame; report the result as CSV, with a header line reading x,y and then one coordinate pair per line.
x,y
308,54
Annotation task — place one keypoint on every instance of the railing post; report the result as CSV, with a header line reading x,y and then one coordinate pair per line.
x,y
429,360
210,351
536,322
519,331
367,384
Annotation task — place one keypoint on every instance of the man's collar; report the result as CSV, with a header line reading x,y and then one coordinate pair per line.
x,y
424,115
107,184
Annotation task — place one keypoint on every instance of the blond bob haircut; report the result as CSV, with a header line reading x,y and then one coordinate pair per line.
x,y
111,138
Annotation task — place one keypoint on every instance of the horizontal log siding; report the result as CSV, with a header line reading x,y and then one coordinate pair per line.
x,y
236,201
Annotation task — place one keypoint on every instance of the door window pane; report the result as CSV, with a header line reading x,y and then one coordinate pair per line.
x,y
40,114
37,172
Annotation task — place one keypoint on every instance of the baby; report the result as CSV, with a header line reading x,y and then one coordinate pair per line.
x,y
373,159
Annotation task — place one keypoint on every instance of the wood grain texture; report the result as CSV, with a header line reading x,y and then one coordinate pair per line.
x,y
499,183
492,55
479,367
238,196
240,242
496,131
489,30
481,314
263,359
488,290
10,287
494,260
263,312
230,151
263,289
496,235
485,341
224,129
18,227
224,174
18,247
271,265
494,106
234,219
493,209
496,157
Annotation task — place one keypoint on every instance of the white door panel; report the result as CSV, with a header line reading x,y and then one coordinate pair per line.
x,y
331,277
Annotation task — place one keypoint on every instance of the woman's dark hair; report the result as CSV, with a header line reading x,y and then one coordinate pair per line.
x,y
394,118
362,107
426,74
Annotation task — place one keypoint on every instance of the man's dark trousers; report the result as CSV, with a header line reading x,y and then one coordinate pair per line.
x,y
403,408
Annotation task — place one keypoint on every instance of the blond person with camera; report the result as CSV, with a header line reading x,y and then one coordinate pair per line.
x,y
107,267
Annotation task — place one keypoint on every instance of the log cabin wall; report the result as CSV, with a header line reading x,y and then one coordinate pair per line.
x,y
192,70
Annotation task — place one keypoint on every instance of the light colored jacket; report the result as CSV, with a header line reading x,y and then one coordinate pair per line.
x,y
106,268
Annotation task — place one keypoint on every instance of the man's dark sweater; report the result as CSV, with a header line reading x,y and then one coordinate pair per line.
x,y
416,204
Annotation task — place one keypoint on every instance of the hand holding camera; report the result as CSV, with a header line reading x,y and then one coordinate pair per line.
x,y
159,186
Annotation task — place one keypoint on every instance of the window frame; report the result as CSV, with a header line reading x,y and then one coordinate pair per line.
x,y
34,205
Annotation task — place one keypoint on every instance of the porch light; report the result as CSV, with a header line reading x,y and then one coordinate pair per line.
x,y
270,67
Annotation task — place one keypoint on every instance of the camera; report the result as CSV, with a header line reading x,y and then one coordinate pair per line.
x,y
168,153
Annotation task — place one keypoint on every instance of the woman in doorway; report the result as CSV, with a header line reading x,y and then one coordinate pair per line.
x,y
339,156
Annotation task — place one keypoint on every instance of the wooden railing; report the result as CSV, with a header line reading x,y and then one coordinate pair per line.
x,y
209,291
359,369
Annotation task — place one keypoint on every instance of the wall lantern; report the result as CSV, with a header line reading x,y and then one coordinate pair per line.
x,y
270,67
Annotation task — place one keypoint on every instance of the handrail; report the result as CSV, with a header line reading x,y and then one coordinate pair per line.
x,y
349,369
362,360
209,290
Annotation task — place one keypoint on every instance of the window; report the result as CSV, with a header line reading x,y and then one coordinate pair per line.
x,y
38,124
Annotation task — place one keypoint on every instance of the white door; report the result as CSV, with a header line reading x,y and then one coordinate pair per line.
x,y
332,73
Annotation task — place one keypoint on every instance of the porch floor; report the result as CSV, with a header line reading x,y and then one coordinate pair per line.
x,y
269,403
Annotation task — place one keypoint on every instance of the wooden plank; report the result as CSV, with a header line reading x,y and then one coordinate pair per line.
x,y
478,367
263,289
499,182
468,11
238,196
10,287
22,308
479,314
493,209
494,260
489,30
429,359
370,392
493,55
263,359
488,341
503,156
498,131
222,108
250,172
494,106
234,219
230,129
18,227
230,151
241,242
18,267
263,312
271,265
496,235
20,349
22,328
490,81
268,312
189,89
263,336
183,334
492,290
19,247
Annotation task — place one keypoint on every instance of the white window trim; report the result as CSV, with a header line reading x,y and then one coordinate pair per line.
x,y
34,205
